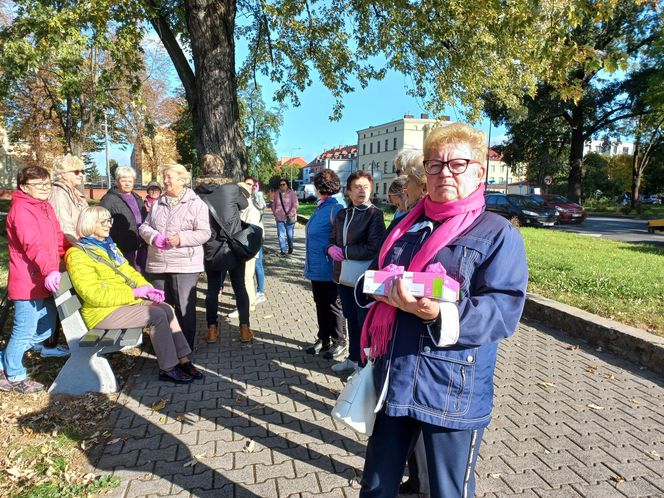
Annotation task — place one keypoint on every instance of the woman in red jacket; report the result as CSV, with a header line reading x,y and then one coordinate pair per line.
x,y
36,245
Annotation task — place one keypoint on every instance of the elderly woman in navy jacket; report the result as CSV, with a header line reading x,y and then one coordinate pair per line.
x,y
435,360
331,339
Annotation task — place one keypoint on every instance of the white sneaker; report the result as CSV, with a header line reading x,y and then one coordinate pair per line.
x,y
260,297
56,352
347,365
236,312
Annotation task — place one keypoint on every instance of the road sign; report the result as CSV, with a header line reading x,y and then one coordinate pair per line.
x,y
548,180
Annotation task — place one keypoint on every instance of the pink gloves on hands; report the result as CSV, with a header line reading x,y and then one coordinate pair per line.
x,y
161,242
142,291
156,295
52,281
336,253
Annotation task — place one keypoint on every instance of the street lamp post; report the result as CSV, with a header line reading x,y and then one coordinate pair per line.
x,y
488,153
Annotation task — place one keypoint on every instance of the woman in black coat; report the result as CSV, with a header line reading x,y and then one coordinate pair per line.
x,y
128,212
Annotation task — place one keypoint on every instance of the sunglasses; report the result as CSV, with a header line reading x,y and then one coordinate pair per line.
x,y
77,171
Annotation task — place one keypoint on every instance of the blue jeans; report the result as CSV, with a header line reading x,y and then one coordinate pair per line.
x,y
34,320
260,273
355,316
286,233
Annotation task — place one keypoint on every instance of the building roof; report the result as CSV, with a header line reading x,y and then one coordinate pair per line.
x,y
341,152
298,161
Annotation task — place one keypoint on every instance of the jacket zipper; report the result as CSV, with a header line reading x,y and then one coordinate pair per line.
x,y
457,405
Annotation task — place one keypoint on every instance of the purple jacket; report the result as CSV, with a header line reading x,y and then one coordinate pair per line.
x,y
290,203
190,220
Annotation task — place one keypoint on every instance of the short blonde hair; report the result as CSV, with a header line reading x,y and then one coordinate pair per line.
x,y
124,171
64,164
179,169
457,133
88,219
404,158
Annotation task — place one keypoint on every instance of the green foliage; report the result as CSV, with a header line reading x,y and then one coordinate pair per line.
x,y
62,489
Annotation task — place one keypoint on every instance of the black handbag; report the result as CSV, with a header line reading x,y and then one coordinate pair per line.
x,y
245,243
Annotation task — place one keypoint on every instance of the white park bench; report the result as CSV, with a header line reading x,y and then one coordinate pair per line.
x,y
86,369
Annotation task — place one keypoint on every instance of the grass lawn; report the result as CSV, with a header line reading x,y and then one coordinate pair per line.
x,y
616,280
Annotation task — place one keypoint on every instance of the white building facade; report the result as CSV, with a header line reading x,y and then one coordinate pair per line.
x,y
608,147
378,145
342,160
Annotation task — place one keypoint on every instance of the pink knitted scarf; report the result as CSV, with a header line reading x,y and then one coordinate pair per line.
x,y
457,216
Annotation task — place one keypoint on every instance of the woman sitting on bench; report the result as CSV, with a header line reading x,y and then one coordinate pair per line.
x,y
115,296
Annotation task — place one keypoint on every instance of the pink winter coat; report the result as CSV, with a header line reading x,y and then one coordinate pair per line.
x,y
290,203
36,245
190,220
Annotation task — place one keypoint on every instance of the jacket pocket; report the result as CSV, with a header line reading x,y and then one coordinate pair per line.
x,y
444,378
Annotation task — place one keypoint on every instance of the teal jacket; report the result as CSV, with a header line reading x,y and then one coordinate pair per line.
x,y
317,264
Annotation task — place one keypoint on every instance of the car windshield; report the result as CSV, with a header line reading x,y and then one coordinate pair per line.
x,y
558,198
525,202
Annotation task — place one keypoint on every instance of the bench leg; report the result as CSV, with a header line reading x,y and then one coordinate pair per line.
x,y
85,370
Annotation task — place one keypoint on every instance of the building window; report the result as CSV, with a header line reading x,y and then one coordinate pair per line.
x,y
394,141
385,167
501,180
364,149
364,136
370,147
362,166
386,130
493,168
625,150
395,128
384,188
378,146
372,133
386,145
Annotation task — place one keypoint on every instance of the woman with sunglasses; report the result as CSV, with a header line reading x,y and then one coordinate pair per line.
x,y
116,296
434,360
66,198
36,244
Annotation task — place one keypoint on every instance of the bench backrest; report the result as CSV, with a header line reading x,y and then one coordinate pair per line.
x,y
68,305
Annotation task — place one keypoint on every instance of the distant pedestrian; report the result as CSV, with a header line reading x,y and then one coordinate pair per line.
x,y
127,212
357,234
175,230
153,191
259,201
331,337
227,200
284,208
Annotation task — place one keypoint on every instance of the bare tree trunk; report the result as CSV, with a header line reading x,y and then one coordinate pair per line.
x,y
575,155
211,25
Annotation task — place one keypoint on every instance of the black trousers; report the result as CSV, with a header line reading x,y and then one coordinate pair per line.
x,y
331,322
180,291
215,281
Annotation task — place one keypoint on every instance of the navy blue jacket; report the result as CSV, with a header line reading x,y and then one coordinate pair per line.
x,y
453,386
318,265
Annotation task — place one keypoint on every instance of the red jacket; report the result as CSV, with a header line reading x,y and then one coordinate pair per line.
x,y
36,245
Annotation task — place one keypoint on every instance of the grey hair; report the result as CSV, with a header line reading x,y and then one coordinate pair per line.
x,y
405,157
124,171
179,169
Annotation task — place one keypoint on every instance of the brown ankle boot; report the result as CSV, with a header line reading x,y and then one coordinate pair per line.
x,y
213,334
246,335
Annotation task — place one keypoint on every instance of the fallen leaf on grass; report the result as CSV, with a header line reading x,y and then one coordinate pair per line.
x,y
249,447
594,407
159,405
546,384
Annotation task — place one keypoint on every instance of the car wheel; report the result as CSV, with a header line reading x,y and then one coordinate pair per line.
x,y
514,220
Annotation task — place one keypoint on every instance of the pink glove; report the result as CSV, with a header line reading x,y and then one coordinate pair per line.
x,y
156,295
142,291
161,242
336,253
52,281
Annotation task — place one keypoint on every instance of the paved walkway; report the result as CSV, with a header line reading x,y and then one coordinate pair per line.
x,y
568,421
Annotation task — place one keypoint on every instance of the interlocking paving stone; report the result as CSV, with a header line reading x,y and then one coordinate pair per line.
x,y
568,420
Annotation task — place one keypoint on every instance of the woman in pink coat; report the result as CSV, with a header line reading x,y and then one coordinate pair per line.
x,y
36,245
175,229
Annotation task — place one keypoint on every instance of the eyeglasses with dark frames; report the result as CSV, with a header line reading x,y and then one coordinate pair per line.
x,y
40,185
456,166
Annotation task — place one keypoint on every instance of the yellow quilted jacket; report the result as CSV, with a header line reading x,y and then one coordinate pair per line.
x,y
100,288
